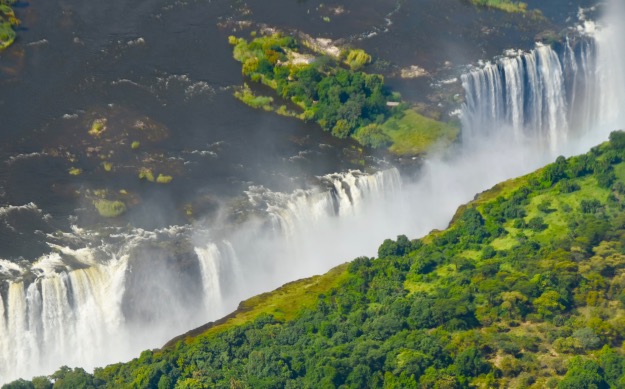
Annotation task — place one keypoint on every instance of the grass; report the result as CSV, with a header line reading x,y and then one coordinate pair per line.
x,y
504,243
284,303
471,254
417,286
414,134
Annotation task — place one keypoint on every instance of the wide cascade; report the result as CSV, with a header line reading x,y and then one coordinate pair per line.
x,y
118,294
549,94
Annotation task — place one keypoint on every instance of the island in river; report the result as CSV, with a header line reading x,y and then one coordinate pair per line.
x,y
325,85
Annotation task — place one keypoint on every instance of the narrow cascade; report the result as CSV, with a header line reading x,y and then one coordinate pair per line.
x,y
210,266
3,339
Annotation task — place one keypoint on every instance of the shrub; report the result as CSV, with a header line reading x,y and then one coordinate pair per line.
x,y
537,224
108,208
372,136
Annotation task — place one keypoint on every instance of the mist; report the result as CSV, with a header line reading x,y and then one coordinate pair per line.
x,y
103,297
498,144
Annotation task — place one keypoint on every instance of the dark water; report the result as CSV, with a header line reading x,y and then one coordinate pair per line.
x,y
168,63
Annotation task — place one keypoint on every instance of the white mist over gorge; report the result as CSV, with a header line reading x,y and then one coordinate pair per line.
x,y
103,296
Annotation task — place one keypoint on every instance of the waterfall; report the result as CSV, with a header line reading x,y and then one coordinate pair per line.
x,y
340,194
101,297
210,264
255,258
572,87
52,318
522,95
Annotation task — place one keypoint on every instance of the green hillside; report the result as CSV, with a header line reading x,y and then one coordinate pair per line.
x,y
524,289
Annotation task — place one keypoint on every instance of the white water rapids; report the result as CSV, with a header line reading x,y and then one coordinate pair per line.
x,y
102,297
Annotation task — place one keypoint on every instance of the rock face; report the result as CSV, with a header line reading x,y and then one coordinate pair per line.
x,y
413,71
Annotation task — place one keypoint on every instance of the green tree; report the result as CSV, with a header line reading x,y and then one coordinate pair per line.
x,y
548,304
78,378
471,363
583,374
356,59
341,129
537,224
372,135
19,384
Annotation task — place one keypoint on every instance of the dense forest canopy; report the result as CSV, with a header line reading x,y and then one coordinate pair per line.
x,y
526,288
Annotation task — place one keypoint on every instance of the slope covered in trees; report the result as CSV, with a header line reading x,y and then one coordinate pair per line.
x,y
526,288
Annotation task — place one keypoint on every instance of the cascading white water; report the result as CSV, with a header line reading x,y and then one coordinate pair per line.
x,y
77,309
523,96
211,266
550,93
303,225
60,311
84,309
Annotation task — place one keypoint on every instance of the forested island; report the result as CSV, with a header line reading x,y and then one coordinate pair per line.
x,y
323,83
525,288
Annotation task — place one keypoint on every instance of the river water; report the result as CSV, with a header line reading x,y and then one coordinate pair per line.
x,y
255,200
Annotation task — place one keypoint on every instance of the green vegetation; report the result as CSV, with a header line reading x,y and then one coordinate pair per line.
x,y
411,133
345,102
163,179
135,145
97,127
109,208
356,59
502,5
146,174
525,289
8,22
74,171
512,6
246,95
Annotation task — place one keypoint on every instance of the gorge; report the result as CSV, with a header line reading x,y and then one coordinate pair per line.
x,y
120,290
